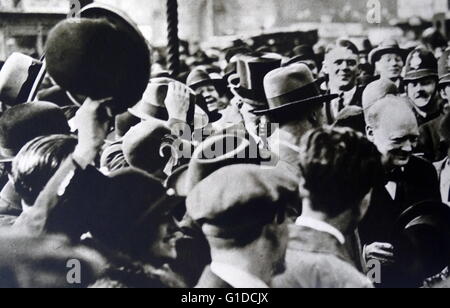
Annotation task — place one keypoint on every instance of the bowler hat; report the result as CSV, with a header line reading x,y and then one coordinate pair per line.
x,y
18,79
213,154
421,239
22,123
420,64
252,69
239,199
290,89
386,47
444,67
152,105
110,58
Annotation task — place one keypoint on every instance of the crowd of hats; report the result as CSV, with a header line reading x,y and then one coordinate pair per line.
x,y
151,191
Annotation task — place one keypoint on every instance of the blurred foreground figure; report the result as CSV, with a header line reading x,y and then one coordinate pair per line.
x,y
346,166
46,262
247,250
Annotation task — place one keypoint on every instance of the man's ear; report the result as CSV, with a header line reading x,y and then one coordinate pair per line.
x,y
443,94
370,133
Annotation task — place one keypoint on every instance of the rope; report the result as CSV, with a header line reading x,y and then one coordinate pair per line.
x,y
173,40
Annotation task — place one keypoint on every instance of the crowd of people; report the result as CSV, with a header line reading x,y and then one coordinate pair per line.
x,y
248,169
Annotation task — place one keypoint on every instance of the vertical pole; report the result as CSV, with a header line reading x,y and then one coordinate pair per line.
x,y
173,40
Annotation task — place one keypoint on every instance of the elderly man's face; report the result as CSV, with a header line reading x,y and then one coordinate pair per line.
x,y
342,67
396,137
422,91
390,66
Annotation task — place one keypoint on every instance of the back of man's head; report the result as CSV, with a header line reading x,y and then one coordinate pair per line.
x,y
339,167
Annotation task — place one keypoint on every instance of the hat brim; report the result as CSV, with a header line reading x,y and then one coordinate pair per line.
x,y
206,82
420,74
437,209
376,54
297,104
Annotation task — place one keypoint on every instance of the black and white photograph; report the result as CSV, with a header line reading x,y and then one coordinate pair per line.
x,y
202,146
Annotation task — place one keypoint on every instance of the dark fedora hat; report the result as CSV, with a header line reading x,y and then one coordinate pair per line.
x,y
302,53
152,105
386,47
421,238
290,89
205,160
110,58
22,123
421,63
252,69
19,79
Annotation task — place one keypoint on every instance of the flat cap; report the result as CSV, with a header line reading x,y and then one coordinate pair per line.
x,y
239,199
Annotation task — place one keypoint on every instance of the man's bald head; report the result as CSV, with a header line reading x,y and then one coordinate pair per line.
x,y
392,126
390,108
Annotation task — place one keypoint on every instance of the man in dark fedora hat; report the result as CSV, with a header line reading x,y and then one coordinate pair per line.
x,y
249,92
341,66
421,82
295,104
388,60
247,250
392,127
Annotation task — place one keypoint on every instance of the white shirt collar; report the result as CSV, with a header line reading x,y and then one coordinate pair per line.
x,y
320,226
237,278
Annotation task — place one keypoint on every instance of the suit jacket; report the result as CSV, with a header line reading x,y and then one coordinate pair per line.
x,y
317,259
431,143
209,280
420,183
357,122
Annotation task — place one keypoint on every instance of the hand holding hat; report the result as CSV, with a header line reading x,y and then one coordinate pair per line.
x,y
93,123
178,101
